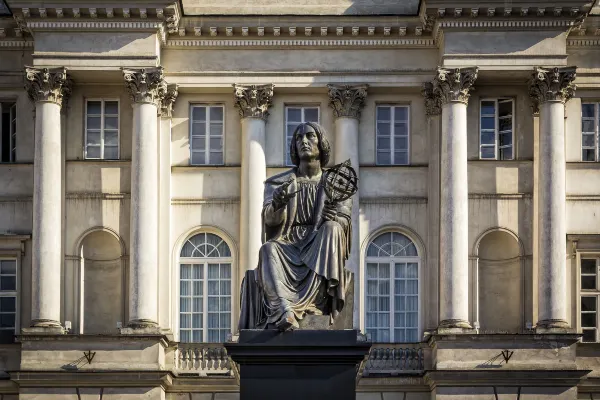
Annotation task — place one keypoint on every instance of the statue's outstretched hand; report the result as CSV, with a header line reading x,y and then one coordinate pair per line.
x,y
282,195
329,211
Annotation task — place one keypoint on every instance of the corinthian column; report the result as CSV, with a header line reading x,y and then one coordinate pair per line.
x,y
48,89
347,103
451,87
147,89
253,103
549,91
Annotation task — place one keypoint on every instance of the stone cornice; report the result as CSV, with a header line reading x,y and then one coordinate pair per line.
x,y
47,85
253,101
554,84
166,107
433,104
454,85
425,42
146,85
346,100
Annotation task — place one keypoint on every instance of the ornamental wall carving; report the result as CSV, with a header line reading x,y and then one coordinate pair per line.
x,y
346,100
253,101
44,84
554,84
454,85
146,85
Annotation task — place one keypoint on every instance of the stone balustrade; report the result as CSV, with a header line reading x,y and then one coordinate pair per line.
x,y
202,359
396,359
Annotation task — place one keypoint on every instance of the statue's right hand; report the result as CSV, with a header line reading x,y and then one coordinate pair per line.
x,y
282,195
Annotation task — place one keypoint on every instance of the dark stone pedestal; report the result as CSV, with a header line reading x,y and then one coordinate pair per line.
x,y
313,364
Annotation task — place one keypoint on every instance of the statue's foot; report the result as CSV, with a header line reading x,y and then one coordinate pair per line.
x,y
287,322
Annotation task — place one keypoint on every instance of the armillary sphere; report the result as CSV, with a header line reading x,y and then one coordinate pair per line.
x,y
341,182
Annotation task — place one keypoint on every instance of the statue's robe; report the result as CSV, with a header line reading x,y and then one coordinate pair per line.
x,y
301,264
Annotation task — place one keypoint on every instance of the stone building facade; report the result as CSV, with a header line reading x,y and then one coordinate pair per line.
x,y
136,136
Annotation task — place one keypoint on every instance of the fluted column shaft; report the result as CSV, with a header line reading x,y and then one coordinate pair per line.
x,y
48,89
147,89
451,88
347,103
253,103
550,90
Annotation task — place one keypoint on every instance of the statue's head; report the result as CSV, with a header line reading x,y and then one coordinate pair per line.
x,y
309,143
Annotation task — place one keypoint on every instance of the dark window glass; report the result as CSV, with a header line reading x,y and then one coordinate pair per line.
x,y
588,303
588,282
589,335
588,266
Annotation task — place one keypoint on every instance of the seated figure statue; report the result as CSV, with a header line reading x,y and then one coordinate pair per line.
x,y
306,242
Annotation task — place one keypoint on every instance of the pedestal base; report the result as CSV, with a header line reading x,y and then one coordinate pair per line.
x,y
298,365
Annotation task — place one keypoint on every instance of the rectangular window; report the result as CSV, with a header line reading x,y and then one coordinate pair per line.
x,y
102,129
392,135
8,129
206,135
392,301
590,148
496,129
8,299
589,298
205,302
294,116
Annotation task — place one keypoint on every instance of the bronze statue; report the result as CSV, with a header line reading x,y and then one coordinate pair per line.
x,y
306,239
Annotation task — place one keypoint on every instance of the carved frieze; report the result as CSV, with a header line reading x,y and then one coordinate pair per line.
x,y
146,85
454,85
554,84
166,108
253,101
44,84
433,103
346,100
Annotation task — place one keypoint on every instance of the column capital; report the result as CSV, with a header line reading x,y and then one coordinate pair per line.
x,y
167,103
454,85
253,101
146,85
554,84
433,103
48,85
346,100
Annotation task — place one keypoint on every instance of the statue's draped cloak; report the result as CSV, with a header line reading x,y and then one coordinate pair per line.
x,y
301,266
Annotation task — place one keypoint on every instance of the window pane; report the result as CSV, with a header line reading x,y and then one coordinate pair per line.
x,y
488,108
93,138
7,320
401,113
400,128
216,114
587,140
589,335
111,137
384,158
216,143
588,155
185,288
588,266
488,123
198,158
199,113
311,115
8,304
94,107
588,282
587,110
111,123
384,304
111,153
383,128
8,283
216,129
111,107
8,267
588,320
587,125
383,143
185,304
401,143
505,124
383,113
506,153
294,114
185,271
198,129
588,303
488,152
504,108
93,152
185,321
93,122
400,158
488,137
412,271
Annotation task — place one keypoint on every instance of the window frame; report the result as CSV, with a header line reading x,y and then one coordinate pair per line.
x,y
588,254
302,107
496,145
393,106
102,101
204,261
596,132
392,261
12,133
14,256
208,136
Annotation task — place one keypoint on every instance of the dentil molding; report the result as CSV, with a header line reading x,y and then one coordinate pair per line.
x,y
253,101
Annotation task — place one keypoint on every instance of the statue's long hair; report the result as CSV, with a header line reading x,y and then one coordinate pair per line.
x,y
324,148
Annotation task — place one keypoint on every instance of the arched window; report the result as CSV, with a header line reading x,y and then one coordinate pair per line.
x,y
392,295
204,289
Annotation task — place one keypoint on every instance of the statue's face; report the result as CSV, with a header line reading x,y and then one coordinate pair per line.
x,y
307,144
